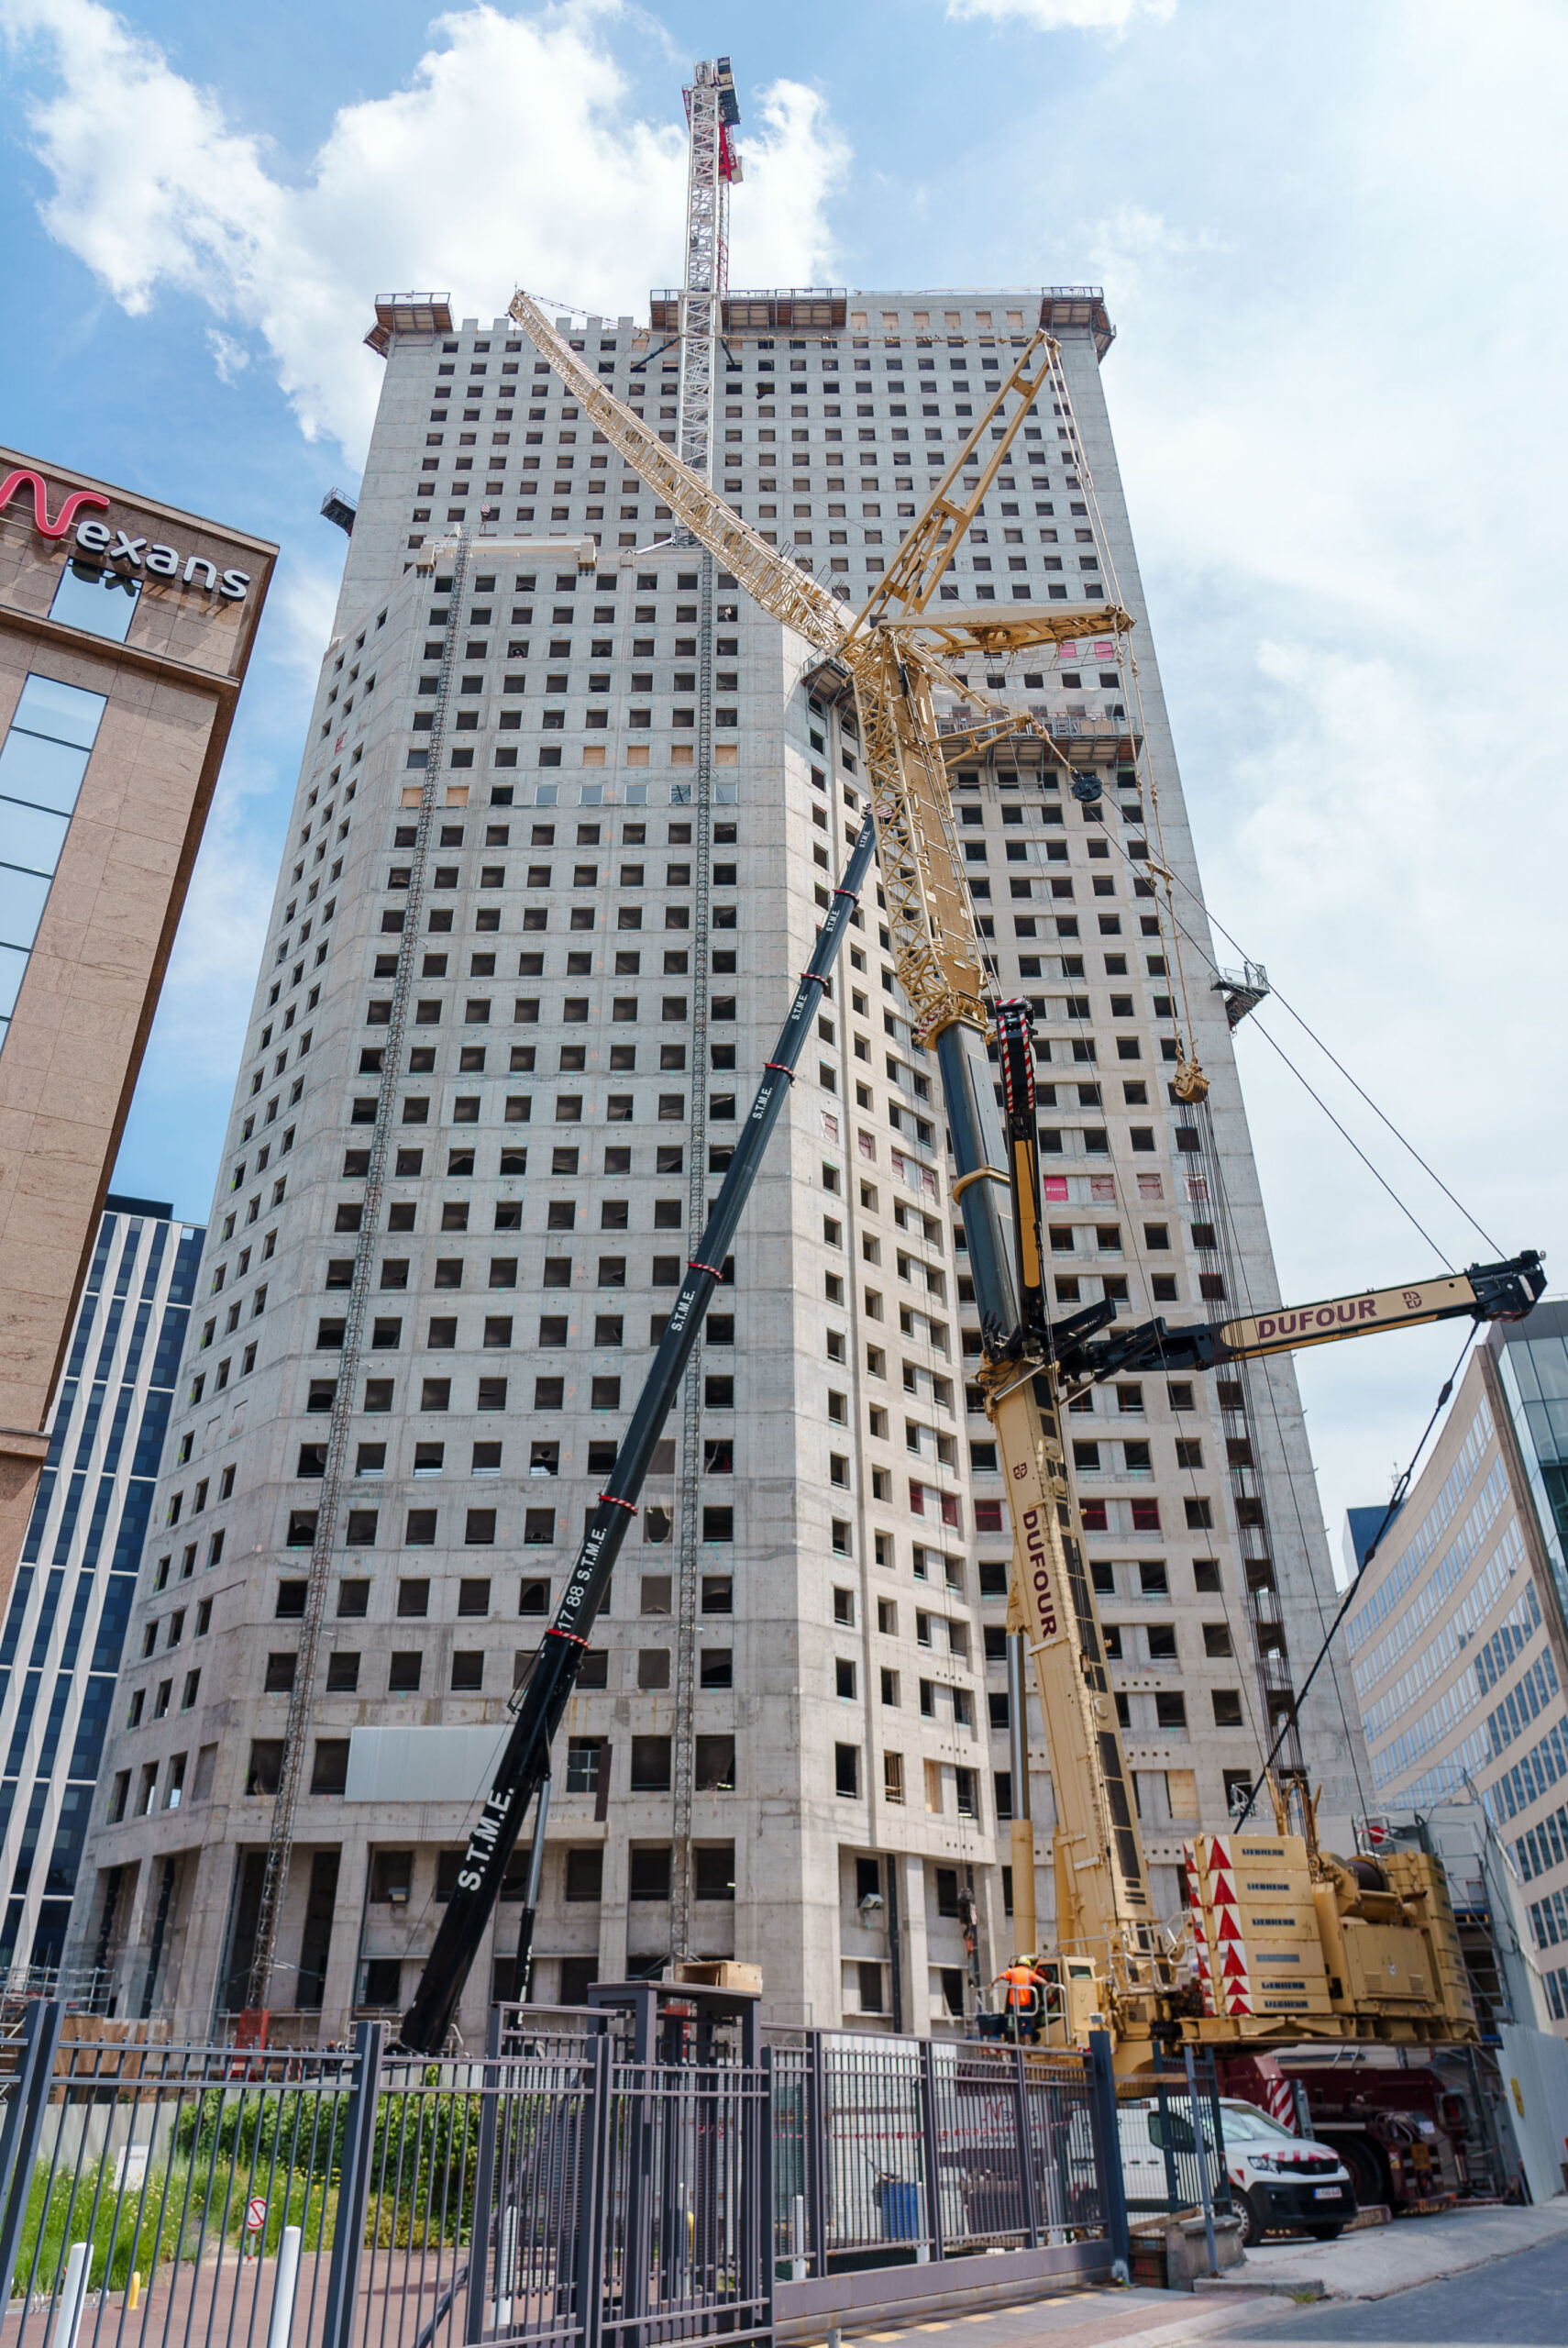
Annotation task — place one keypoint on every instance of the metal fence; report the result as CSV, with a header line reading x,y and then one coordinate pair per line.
x,y
1172,2141
560,2193
596,2179
937,2147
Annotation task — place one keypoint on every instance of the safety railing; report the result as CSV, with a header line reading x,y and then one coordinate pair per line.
x,y
558,2194
1172,2141
580,2184
934,2147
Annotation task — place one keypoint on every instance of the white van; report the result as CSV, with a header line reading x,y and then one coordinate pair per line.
x,y
1277,2181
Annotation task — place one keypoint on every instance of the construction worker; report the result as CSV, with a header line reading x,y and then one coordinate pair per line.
x,y
1024,1982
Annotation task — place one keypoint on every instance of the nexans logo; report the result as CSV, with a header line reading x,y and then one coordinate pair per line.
x,y
115,547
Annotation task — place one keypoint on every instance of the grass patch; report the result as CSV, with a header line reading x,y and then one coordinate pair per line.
x,y
162,2224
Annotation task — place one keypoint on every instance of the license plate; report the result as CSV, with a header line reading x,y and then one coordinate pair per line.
x,y
1326,2193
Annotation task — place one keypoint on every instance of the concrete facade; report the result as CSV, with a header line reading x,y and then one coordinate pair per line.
x,y
850,1754
124,631
1458,1655
65,1626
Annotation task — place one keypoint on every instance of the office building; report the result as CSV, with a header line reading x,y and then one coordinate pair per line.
x,y
530,1049
65,1624
124,631
1456,1640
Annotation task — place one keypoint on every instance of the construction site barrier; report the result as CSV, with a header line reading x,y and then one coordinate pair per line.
x,y
569,2186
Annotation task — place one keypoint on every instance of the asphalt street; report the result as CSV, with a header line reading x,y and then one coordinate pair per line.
x,y
1519,2302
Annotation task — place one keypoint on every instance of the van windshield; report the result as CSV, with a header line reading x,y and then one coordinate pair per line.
x,y
1247,2126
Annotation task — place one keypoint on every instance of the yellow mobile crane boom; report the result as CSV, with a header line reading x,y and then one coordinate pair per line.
x,y
895,653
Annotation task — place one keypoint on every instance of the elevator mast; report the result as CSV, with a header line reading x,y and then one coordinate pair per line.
x,y
712,113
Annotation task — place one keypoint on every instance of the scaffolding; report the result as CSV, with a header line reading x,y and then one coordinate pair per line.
x,y
454,555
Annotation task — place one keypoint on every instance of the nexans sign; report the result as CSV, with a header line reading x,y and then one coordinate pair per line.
x,y
115,546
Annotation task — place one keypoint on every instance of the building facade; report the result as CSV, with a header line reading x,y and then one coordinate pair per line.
x,y
70,1602
126,627
1457,1646
527,955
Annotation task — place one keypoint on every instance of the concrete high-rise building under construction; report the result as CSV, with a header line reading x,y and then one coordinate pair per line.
x,y
541,1035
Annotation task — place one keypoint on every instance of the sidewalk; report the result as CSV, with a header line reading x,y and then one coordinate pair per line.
x,y
1411,2251
1360,2266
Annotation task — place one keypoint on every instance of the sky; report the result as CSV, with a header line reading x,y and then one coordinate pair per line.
x,y
1331,240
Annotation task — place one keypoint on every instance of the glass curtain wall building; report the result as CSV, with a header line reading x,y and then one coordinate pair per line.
x,y
1457,1643
65,1626
1532,1795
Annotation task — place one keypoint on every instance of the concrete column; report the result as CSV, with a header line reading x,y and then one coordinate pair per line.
x,y
343,1956
916,1955
613,1913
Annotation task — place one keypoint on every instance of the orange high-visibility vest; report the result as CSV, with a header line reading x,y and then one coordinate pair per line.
x,y
1020,1985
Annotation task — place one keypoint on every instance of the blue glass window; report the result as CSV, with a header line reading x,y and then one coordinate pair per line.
x,y
42,762
97,1700
98,602
112,1621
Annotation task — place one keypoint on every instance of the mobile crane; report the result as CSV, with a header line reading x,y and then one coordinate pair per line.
x,y
894,655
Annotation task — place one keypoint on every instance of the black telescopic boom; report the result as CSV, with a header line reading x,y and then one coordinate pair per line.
x,y
1015,1050
543,1700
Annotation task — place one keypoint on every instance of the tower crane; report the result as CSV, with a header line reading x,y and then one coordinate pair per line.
x,y
896,652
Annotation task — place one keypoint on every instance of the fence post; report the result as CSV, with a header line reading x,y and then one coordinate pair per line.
x,y
595,2195
25,2109
1026,2149
817,2151
1201,2147
353,2187
484,2181
1173,2183
764,2244
1108,2153
284,2283
929,2143
1222,2201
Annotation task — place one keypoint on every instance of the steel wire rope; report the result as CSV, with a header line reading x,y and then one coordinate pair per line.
x,y
1395,1501
1075,1017
1249,1692
1317,1097
1288,1007
1140,758
1228,1220
1172,877
1290,1476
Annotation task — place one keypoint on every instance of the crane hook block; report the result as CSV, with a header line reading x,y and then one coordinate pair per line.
x,y
1190,1083
1087,786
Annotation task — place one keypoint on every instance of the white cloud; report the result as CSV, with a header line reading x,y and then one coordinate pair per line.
x,y
791,168
211,981
1056,16
230,358
1344,490
533,104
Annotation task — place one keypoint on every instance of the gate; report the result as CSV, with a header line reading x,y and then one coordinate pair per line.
x,y
631,2175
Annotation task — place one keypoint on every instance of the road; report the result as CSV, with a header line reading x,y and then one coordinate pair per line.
x,y
1519,2302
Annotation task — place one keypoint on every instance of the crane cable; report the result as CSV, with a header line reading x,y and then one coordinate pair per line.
x,y
1166,911
1170,877
1141,765
1286,1005
1265,1371
1274,1046
1395,1501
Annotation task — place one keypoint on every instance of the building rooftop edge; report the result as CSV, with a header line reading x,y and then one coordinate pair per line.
x,y
14,459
